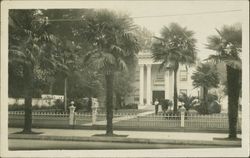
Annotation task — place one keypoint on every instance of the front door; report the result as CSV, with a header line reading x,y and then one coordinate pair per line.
x,y
160,95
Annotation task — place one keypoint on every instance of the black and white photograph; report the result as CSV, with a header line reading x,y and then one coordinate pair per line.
x,y
124,78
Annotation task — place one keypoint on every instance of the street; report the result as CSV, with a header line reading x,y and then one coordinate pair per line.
x,y
20,144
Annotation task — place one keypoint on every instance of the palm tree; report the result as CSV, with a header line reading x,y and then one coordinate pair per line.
x,y
113,46
206,76
27,40
175,46
228,44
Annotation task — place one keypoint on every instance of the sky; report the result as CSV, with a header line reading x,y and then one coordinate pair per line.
x,y
202,17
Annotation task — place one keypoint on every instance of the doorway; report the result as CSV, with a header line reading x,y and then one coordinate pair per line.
x,y
160,95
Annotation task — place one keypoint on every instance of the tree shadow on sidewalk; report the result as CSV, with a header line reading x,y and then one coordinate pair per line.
x,y
106,135
228,139
29,132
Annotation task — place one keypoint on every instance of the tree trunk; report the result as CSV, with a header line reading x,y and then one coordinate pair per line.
x,y
28,92
233,85
90,104
205,102
109,103
65,94
51,88
175,90
118,101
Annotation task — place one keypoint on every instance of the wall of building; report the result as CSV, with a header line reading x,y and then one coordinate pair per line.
x,y
158,83
187,85
35,101
46,100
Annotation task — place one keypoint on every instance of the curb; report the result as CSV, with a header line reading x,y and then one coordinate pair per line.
x,y
126,140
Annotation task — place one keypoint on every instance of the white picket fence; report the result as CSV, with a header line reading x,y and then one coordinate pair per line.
x,y
131,120
40,118
211,121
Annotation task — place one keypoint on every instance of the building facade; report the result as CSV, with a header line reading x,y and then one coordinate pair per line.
x,y
151,83
45,100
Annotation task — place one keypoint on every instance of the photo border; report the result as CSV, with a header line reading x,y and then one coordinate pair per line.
x,y
215,152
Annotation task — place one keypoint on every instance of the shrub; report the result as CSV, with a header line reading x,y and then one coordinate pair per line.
x,y
165,104
213,105
59,104
188,101
80,104
131,106
16,107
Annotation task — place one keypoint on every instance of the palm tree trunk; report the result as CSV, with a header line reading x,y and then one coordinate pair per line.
x,y
28,84
65,93
118,100
109,103
233,85
175,90
205,103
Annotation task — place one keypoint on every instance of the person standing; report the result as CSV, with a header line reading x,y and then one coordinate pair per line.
x,y
156,104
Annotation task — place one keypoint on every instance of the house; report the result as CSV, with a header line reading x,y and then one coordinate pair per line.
x,y
150,83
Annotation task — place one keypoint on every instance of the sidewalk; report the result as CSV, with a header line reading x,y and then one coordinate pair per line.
x,y
132,136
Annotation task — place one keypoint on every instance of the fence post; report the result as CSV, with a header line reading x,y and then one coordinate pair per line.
x,y
71,113
182,110
94,110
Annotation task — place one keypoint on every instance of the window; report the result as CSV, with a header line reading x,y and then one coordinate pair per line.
x,y
159,80
183,75
183,91
160,76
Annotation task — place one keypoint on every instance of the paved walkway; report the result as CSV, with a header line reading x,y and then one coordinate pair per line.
x,y
118,119
140,136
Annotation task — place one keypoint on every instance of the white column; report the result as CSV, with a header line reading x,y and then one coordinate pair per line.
x,y
149,91
141,84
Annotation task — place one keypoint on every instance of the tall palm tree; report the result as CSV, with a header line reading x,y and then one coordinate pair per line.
x,y
205,76
175,46
28,37
228,46
113,46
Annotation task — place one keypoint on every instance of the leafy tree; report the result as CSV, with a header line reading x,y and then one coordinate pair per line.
x,y
228,47
67,50
27,41
175,46
205,76
113,44
122,86
145,38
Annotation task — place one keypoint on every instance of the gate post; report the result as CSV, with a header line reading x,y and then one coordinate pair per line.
x,y
182,110
94,110
71,113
